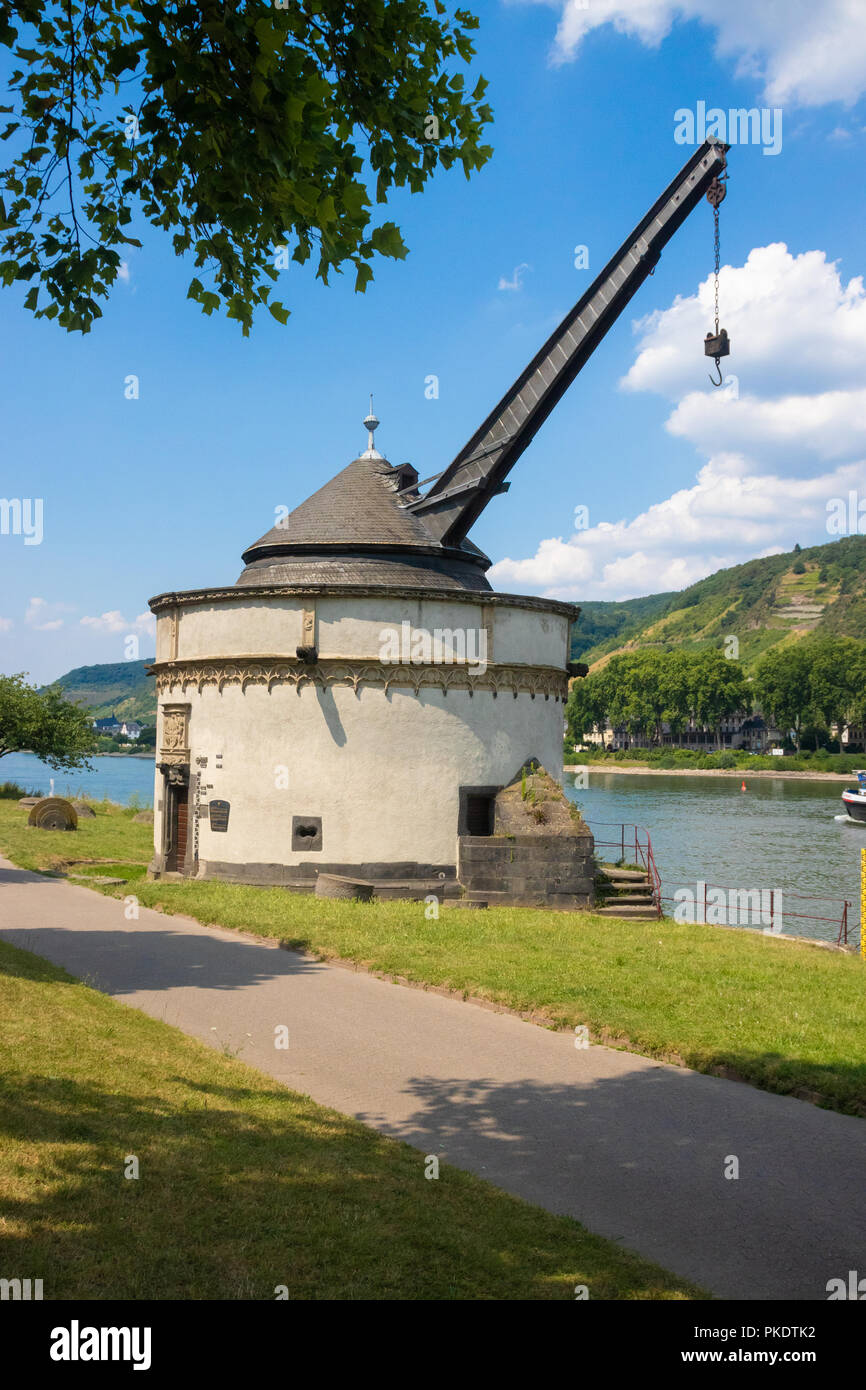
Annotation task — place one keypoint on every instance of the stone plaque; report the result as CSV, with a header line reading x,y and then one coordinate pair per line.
x,y
219,814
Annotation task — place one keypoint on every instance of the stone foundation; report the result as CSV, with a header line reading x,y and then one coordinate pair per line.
x,y
528,870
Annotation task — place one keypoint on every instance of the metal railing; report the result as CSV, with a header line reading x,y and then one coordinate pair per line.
x,y
633,840
633,844
772,909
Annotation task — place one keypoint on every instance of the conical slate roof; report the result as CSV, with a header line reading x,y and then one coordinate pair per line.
x,y
357,507
356,530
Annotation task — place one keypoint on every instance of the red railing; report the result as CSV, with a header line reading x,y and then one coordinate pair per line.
x,y
629,841
633,843
773,909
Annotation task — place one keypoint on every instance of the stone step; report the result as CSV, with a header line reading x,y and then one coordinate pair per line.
x,y
624,875
415,890
646,911
629,899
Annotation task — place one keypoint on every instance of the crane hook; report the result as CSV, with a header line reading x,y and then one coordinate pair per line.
x,y
720,381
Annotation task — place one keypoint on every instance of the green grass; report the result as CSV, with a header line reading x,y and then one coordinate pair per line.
x,y
243,1185
111,835
785,1016
670,757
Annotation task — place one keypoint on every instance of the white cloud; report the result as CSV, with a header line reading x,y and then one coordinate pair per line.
x,y
777,446
114,621
123,272
516,281
729,515
44,616
802,53
794,327
6,624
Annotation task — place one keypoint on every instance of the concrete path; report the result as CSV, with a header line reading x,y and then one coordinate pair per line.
x,y
634,1149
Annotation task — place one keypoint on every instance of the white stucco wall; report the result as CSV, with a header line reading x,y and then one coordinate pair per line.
x,y
382,769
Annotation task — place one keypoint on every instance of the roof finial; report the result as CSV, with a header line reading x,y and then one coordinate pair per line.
x,y
371,424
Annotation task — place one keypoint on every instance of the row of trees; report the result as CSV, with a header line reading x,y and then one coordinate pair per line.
x,y
812,682
805,683
643,690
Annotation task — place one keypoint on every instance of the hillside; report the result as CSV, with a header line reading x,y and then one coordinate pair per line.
x,y
121,688
761,603
601,622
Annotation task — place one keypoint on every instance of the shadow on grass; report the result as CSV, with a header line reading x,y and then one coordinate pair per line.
x,y
242,1189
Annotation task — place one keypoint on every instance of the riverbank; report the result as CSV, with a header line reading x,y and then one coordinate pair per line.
x,y
645,770
660,988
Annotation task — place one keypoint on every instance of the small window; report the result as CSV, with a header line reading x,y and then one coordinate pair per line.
x,y
306,833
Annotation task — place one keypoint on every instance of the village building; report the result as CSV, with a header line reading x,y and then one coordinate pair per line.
x,y
745,731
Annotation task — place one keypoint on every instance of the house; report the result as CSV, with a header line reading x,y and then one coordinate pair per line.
x,y
116,728
741,731
109,726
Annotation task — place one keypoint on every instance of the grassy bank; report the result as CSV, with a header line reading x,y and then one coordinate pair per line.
x,y
111,835
685,759
784,1016
243,1185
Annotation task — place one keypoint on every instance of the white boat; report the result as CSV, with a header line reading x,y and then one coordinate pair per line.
x,y
854,799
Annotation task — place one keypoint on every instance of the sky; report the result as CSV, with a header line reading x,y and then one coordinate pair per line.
x,y
644,479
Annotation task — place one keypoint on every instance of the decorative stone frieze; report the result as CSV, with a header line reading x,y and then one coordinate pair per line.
x,y
270,671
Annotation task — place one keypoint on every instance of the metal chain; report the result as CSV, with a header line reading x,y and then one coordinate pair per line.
x,y
717,248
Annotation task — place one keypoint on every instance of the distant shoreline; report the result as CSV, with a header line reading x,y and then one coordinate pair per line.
x,y
152,756
20,752
644,770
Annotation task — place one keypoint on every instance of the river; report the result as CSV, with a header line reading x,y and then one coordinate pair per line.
x,y
779,834
118,778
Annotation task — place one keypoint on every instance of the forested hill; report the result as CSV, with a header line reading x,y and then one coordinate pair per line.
x,y
121,688
821,589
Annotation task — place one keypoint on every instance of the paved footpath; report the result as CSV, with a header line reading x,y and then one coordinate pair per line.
x,y
634,1149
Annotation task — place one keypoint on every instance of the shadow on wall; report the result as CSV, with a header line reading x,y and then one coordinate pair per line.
x,y
328,706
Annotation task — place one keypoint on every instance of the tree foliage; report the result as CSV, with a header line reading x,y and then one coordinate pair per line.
x,y
821,681
816,680
239,129
44,723
645,689
783,688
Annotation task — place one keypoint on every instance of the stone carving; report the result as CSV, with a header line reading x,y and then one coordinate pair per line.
x,y
174,749
269,671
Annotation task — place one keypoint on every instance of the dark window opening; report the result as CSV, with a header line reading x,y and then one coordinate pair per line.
x,y
307,833
479,815
477,810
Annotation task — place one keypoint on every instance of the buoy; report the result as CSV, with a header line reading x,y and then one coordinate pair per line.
x,y
743,787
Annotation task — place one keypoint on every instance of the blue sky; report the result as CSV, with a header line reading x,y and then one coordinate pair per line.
x,y
164,492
